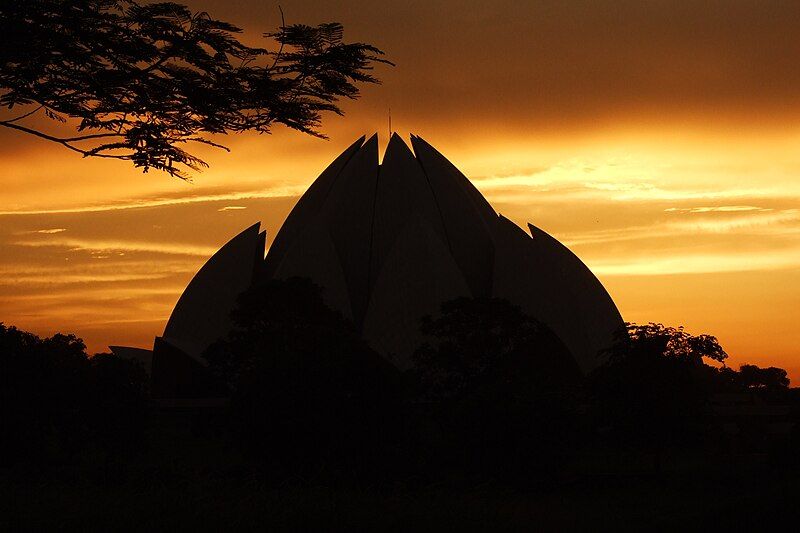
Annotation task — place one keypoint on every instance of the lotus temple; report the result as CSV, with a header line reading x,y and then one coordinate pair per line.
x,y
388,243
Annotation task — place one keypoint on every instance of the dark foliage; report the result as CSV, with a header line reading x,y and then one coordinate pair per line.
x,y
501,385
56,401
653,388
753,377
495,400
118,407
141,80
42,395
475,341
658,341
310,396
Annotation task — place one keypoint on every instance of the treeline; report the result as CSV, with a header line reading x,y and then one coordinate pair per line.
x,y
491,394
57,403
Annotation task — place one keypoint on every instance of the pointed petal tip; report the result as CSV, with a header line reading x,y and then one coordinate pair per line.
x,y
419,143
396,147
370,148
358,143
534,230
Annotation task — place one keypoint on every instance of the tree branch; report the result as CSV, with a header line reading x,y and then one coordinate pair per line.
x,y
62,141
41,135
92,136
140,80
280,49
26,115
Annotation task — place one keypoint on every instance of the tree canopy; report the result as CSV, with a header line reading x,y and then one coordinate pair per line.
x,y
141,81
502,387
753,377
474,343
55,400
654,385
657,340
307,391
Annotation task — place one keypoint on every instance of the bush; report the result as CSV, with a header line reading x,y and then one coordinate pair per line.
x,y
309,395
56,401
502,385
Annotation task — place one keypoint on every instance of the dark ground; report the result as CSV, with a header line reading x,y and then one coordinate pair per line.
x,y
234,501
186,481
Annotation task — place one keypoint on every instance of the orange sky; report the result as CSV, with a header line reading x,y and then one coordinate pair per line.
x,y
658,140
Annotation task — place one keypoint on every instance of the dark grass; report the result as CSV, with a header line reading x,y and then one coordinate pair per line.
x,y
171,493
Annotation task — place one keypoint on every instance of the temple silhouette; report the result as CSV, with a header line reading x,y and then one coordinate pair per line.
x,y
388,243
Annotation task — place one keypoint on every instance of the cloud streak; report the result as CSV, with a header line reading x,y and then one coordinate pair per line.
x,y
100,246
698,263
275,192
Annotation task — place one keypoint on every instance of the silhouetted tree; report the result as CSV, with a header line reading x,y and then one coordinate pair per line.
x,y
727,380
659,341
141,80
309,394
118,404
654,384
754,377
502,384
56,401
473,340
42,395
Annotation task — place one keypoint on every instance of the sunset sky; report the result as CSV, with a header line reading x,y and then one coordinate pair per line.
x,y
659,140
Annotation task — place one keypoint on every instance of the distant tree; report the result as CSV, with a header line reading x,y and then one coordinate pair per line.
x,y
118,402
727,380
502,384
654,340
754,377
654,385
140,81
55,401
42,395
475,341
309,395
